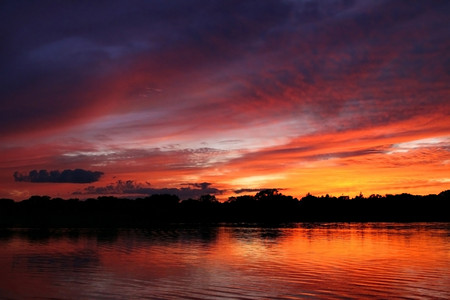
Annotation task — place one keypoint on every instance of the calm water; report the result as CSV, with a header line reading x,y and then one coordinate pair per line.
x,y
342,261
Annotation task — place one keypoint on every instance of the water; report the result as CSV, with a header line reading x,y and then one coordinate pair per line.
x,y
332,261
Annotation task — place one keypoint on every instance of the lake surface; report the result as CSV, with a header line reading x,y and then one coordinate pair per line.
x,y
332,261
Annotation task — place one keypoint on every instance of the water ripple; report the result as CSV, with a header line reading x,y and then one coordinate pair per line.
x,y
332,261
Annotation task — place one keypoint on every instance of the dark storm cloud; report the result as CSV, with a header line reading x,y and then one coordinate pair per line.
x,y
130,187
55,176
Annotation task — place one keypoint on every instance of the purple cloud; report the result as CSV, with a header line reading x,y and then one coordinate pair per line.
x,y
131,187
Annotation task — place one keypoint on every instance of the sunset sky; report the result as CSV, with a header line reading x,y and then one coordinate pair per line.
x,y
224,97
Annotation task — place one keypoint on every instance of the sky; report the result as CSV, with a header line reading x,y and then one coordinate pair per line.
x,y
131,98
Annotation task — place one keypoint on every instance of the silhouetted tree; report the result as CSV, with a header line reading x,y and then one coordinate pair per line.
x,y
266,206
208,199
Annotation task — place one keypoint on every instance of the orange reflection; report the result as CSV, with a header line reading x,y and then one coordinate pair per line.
x,y
380,260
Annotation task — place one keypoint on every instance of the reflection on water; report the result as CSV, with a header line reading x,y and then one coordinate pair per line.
x,y
351,261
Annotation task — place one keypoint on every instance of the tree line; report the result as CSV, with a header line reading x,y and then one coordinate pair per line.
x,y
265,206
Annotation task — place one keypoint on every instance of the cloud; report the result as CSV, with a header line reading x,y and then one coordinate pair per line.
x,y
69,73
246,190
202,185
55,176
131,187
284,83
221,65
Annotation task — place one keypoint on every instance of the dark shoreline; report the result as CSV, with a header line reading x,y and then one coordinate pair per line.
x,y
266,207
